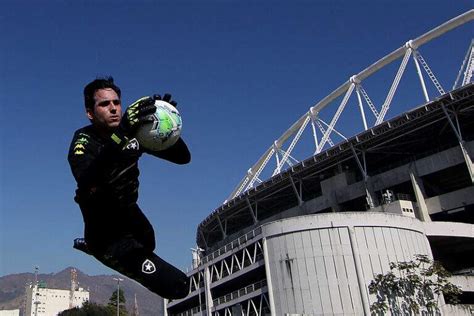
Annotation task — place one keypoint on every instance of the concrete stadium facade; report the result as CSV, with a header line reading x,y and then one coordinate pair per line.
x,y
309,240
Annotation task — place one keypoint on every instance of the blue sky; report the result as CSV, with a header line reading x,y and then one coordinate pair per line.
x,y
241,71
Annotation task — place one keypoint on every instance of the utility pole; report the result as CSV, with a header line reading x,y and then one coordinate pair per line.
x,y
118,294
36,290
135,307
73,287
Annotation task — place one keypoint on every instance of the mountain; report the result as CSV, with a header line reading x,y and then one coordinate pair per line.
x,y
101,287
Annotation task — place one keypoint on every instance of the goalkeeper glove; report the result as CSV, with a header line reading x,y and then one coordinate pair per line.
x,y
136,113
166,98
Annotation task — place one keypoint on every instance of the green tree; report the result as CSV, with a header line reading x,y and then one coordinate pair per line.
x,y
113,303
412,287
88,309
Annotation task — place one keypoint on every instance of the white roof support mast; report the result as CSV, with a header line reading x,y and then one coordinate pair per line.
x,y
467,67
411,48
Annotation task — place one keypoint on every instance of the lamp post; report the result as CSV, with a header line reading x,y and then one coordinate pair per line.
x,y
118,294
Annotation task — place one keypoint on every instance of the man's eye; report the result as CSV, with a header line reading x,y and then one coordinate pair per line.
x,y
106,103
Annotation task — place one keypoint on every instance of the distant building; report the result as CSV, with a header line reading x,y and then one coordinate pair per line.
x,y
10,312
49,302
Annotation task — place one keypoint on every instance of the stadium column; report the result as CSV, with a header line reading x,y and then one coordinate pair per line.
x,y
467,158
268,276
165,307
369,188
457,131
359,271
329,188
207,289
422,210
369,192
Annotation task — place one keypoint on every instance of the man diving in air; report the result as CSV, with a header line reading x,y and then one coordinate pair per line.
x,y
104,161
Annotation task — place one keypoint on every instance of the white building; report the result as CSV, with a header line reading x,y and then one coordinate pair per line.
x,y
10,312
50,302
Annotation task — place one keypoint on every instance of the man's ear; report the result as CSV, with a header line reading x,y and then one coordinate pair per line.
x,y
90,113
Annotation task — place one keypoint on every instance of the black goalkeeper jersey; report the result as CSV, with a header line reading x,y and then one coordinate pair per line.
x,y
107,185
102,170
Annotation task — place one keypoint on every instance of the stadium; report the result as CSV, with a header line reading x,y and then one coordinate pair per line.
x,y
309,239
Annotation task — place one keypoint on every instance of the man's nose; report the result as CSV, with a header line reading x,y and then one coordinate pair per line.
x,y
113,107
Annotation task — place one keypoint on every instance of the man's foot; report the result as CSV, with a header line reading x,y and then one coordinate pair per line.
x,y
80,244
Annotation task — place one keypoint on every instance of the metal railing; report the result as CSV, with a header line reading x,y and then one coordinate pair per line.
x,y
240,292
233,244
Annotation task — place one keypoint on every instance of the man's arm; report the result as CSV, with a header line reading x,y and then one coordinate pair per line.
x,y
91,163
178,153
90,160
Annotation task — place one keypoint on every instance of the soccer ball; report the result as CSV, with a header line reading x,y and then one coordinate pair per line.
x,y
163,131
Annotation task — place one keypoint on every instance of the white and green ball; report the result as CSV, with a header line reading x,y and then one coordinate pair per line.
x,y
163,131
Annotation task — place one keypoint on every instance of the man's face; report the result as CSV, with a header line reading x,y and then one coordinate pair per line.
x,y
107,110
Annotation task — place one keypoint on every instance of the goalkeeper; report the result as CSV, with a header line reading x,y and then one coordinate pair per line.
x,y
104,161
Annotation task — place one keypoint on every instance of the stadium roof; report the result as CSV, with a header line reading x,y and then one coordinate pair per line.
x,y
413,134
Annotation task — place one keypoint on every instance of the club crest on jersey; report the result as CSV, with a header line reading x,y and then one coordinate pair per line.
x,y
133,144
148,267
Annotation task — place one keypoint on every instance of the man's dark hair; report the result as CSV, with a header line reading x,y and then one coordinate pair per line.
x,y
97,84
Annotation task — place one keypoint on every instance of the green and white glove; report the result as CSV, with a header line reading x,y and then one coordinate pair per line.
x,y
166,98
136,114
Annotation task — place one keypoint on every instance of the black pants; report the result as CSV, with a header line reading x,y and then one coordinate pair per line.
x,y
131,259
125,242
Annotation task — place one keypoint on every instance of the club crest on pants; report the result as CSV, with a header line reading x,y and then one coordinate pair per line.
x,y
148,267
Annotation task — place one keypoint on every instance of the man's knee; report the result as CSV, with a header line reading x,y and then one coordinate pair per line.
x,y
156,274
134,260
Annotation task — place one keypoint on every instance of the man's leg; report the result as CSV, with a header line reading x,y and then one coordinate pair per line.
x,y
131,259
142,230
